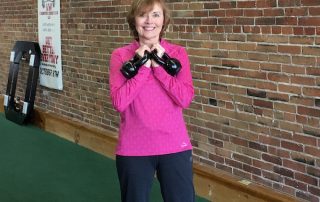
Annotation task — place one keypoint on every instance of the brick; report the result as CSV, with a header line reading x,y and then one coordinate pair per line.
x,y
216,158
292,146
294,165
314,11
314,171
208,21
296,11
253,13
302,100
287,30
251,169
234,12
314,190
258,146
246,4
309,31
215,142
265,21
312,151
301,40
246,47
234,164
271,67
278,77
266,3
280,58
282,153
258,56
196,6
287,21
262,103
303,81
211,5
266,48
245,21
298,30
256,93
272,159
307,179
285,107
302,158
290,89
217,13
273,12
308,111
311,51
226,21
180,6
304,139
278,97
289,49
242,158
239,141
223,152
270,30
272,176
309,21
283,171
315,92
310,2
228,5
296,184
268,140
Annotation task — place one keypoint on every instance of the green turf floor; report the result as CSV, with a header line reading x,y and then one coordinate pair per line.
x,y
36,166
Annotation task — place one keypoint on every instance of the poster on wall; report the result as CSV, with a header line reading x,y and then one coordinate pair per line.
x,y
50,43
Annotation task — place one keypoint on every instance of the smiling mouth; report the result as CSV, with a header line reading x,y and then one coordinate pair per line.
x,y
148,28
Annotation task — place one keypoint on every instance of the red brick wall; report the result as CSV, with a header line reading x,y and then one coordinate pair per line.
x,y
256,70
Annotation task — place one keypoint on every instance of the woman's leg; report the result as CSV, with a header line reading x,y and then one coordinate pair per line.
x,y
176,177
135,175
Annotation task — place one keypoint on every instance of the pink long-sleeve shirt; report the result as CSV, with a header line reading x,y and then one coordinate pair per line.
x,y
151,104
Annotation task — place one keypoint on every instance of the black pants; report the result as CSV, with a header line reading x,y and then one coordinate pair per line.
x,y
174,172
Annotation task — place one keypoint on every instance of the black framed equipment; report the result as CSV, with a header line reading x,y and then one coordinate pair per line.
x,y
16,110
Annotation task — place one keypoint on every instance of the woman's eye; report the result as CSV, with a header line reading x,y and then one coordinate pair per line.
x,y
156,15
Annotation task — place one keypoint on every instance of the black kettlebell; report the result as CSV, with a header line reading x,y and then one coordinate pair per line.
x,y
171,65
130,68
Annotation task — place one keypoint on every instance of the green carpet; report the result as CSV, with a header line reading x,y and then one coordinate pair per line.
x,y
36,166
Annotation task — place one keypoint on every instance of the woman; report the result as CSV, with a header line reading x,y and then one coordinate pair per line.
x,y
153,138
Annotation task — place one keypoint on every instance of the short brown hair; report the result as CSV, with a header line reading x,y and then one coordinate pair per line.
x,y
139,5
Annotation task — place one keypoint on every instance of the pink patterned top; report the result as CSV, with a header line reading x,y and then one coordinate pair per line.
x,y
151,104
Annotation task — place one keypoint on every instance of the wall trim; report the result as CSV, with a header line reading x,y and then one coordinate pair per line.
x,y
1,103
210,183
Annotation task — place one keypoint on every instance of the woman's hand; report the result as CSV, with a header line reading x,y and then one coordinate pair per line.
x,y
160,51
141,51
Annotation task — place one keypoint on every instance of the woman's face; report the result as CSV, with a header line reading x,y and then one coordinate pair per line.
x,y
149,23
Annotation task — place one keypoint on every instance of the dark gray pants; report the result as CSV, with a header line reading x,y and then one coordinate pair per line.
x,y
174,172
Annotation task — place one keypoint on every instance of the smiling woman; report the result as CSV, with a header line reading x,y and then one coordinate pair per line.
x,y
151,84
149,24
143,8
